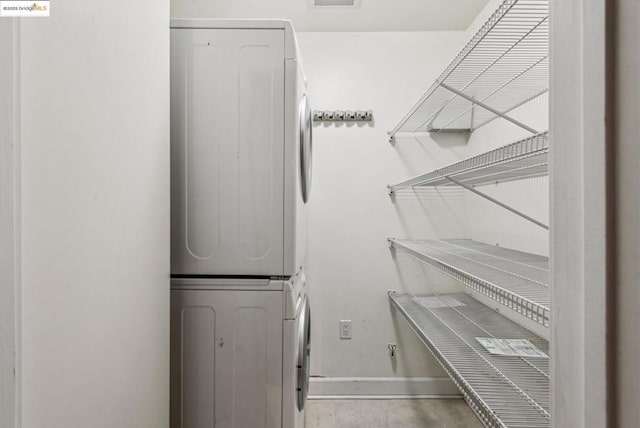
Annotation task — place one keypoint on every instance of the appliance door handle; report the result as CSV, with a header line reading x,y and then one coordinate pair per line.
x,y
306,146
304,354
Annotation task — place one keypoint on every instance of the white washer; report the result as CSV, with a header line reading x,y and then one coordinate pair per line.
x,y
240,353
296,355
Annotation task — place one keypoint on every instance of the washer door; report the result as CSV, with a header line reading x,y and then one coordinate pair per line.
x,y
304,354
306,143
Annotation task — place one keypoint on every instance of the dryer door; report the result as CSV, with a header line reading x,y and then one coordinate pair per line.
x,y
306,146
304,354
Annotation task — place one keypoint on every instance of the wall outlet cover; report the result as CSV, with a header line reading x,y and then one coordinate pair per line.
x,y
345,329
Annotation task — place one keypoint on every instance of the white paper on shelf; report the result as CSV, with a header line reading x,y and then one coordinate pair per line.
x,y
511,347
437,302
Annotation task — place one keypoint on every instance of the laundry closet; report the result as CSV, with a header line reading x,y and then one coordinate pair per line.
x,y
439,225
319,213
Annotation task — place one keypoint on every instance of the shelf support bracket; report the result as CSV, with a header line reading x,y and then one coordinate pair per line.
x,y
495,201
473,111
433,118
487,107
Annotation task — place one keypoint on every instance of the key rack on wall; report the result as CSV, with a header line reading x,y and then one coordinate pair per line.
x,y
342,115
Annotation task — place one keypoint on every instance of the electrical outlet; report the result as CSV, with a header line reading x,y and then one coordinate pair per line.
x,y
345,329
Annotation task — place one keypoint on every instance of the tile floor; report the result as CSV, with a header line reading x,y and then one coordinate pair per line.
x,y
390,414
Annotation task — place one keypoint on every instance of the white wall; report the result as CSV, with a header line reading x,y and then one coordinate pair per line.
x,y
492,224
95,176
370,15
488,222
351,215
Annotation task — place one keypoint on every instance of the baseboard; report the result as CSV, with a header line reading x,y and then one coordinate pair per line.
x,y
382,387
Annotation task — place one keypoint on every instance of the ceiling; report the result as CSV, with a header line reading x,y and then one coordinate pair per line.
x,y
367,15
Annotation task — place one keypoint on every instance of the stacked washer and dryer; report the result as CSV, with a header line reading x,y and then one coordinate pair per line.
x,y
241,175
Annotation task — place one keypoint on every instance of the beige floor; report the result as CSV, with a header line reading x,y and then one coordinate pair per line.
x,y
390,414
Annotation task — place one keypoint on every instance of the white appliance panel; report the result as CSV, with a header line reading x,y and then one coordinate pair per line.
x,y
228,107
296,307
226,359
293,375
295,221
202,159
291,416
198,333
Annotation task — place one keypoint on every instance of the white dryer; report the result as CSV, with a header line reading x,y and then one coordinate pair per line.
x,y
240,148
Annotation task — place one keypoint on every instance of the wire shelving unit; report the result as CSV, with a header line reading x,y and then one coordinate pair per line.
x,y
503,391
517,280
523,159
505,65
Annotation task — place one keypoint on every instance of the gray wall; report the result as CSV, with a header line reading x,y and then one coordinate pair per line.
x,y
627,212
351,215
9,222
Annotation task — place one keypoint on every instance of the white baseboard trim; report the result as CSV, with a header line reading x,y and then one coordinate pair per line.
x,y
384,397
381,388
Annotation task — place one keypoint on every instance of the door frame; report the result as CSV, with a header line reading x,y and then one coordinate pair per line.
x,y
10,231
595,239
580,265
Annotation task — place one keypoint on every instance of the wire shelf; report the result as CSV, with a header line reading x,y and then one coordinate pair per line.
x,y
503,391
517,280
505,65
523,159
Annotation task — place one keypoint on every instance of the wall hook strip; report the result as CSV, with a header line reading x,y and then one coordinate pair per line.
x,y
343,115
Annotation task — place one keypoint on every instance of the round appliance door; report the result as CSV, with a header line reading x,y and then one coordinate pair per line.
x,y
306,143
304,354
